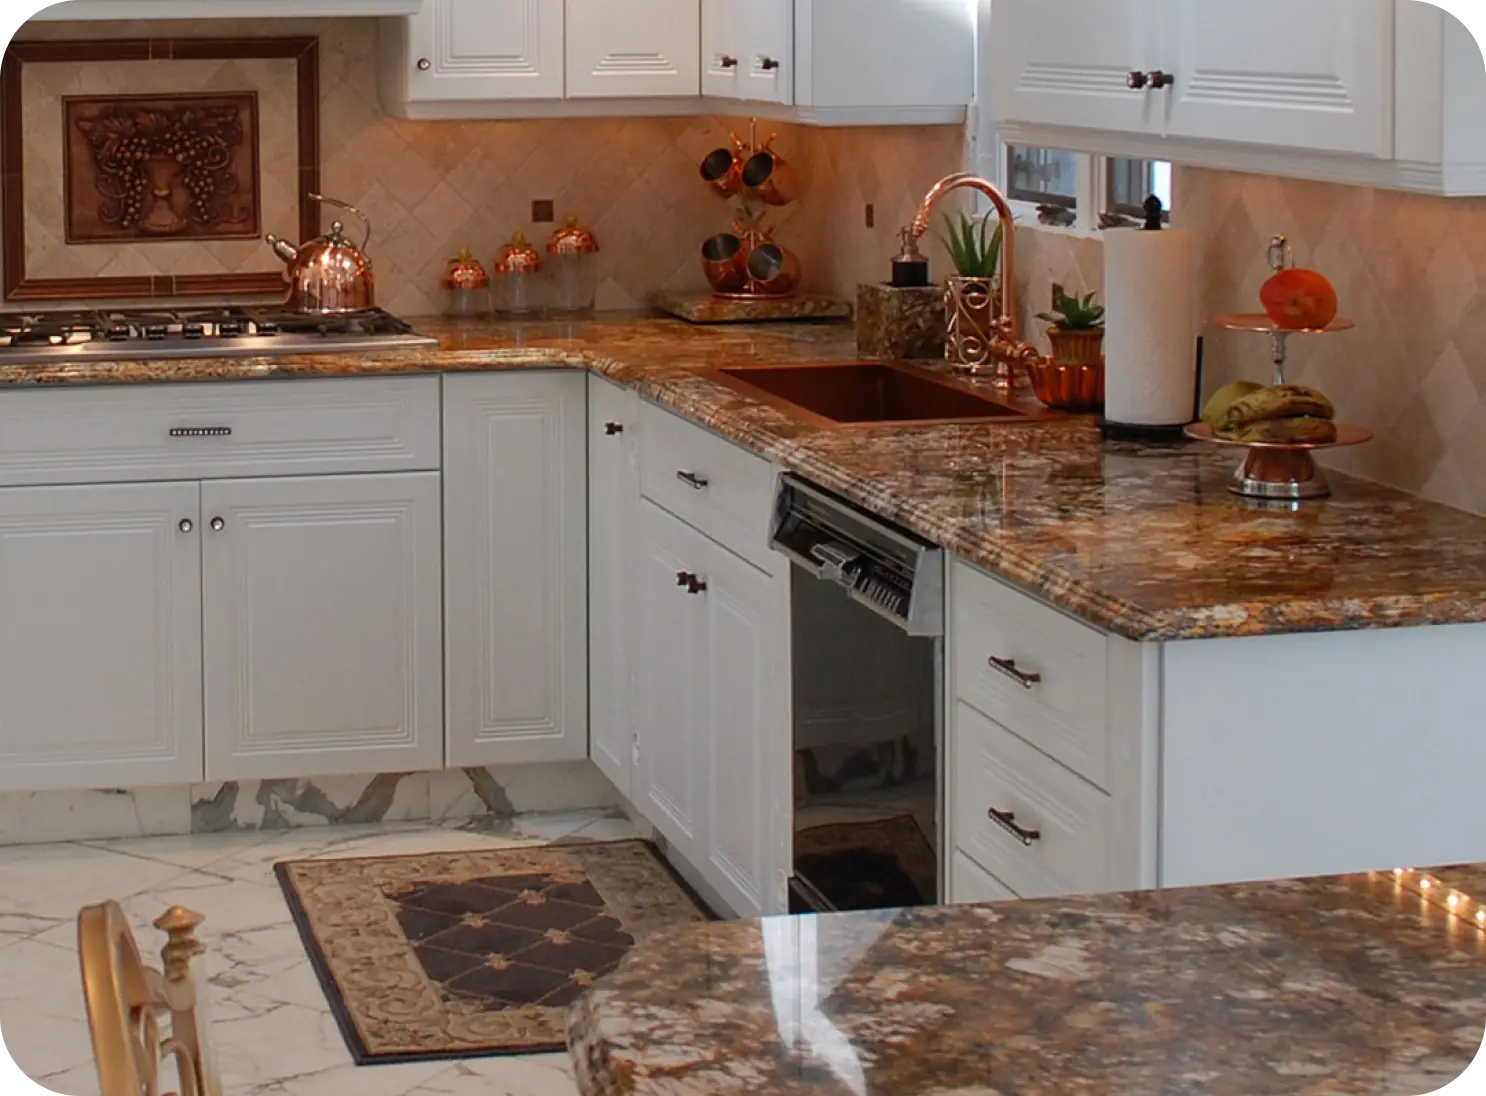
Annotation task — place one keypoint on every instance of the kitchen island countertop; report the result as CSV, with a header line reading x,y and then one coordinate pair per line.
x,y
1350,984
1143,541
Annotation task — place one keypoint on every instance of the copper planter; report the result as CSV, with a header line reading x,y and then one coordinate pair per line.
x,y
1076,388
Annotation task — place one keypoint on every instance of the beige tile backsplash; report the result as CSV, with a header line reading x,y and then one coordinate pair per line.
x,y
1410,270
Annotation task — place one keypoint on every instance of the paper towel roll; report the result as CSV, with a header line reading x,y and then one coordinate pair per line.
x,y
1150,370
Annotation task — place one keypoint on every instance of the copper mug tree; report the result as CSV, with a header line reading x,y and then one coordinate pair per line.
x,y
746,263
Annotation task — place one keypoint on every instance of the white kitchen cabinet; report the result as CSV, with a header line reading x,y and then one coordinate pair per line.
x,y
463,50
748,50
1388,93
1068,62
223,9
638,48
670,781
613,501
1208,761
712,708
321,611
100,636
515,559
746,703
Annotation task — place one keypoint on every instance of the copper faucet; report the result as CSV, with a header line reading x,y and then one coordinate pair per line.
x,y
1006,346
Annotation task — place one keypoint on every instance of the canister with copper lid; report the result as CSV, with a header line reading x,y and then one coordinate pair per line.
x,y
466,286
574,268
517,270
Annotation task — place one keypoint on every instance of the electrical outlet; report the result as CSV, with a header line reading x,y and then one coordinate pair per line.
x,y
870,215
542,211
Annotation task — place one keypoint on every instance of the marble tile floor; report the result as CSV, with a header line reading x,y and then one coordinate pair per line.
x,y
274,1032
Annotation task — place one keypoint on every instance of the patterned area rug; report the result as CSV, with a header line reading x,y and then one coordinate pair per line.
x,y
882,864
474,953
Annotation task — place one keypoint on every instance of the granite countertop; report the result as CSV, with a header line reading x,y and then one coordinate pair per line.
x,y
1351,984
1145,541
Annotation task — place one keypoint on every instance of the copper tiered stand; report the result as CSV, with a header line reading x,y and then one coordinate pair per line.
x,y
747,264
1284,471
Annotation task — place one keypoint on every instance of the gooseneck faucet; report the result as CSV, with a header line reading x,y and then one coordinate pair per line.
x,y
1006,345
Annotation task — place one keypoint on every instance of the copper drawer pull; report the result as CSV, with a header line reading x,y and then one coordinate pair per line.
x,y
1007,821
200,431
1007,666
692,480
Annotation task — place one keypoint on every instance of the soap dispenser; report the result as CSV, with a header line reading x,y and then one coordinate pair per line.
x,y
910,266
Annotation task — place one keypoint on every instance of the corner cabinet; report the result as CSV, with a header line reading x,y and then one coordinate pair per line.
x,y
1388,93
824,62
515,564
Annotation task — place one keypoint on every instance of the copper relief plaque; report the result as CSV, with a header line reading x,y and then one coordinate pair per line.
x,y
161,167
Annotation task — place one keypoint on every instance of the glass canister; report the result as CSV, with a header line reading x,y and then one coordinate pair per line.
x,y
466,287
516,273
573,270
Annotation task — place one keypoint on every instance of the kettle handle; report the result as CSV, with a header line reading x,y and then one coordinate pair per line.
x,y
349,209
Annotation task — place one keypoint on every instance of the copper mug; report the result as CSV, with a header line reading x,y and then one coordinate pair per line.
x,y
775,270
722,172
770,178
724,263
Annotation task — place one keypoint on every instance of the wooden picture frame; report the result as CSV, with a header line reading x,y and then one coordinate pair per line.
x,y
18,286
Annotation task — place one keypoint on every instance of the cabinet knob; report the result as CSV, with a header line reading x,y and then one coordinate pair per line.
x,y
696,585
186,525
1136,80
612,428
768,64
727,61
218,524
424,64
1007,821
1160,79
684,577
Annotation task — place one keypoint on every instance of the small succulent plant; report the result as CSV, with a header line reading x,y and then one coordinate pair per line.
x,y
1074,313
974,254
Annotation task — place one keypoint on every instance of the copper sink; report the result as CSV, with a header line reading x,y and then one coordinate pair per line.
x,y
862,394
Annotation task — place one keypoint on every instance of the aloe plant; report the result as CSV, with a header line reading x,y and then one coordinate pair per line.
x,y
1074,313
974,255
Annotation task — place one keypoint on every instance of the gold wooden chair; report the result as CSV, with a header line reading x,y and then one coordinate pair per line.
x,y
127,1002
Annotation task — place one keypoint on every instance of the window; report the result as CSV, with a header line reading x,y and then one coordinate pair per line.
x,y
1079,189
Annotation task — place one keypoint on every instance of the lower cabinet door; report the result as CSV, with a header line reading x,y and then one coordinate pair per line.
x,y
100,636
746,697
670,661
322,617
515,561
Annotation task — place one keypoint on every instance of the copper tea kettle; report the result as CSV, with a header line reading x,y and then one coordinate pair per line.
x,y
328,275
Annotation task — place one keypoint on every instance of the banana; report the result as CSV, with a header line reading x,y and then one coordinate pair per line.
x,y
1283,401
1298,430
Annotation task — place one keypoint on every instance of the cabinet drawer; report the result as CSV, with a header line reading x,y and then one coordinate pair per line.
x,y
994,770
969,882
711,484
212,430
1063,711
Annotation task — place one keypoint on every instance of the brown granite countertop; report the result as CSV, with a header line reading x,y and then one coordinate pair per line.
x,y
1144,541
1351,984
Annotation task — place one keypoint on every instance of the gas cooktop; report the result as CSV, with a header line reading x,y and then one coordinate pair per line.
x,y
127,335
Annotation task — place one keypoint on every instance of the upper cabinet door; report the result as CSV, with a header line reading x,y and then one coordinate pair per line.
x,y
486,49
1308,74
768,65
638,48
724,45
1068,62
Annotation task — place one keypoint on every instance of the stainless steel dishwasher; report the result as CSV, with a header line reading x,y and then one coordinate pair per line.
x,y
867,624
